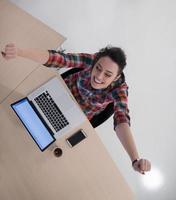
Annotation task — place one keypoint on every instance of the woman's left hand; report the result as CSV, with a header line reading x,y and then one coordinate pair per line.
x,y
142,166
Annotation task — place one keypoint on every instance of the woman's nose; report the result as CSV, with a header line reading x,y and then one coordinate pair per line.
x,y
100,76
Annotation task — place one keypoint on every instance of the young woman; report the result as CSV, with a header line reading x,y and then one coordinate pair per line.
x,y
100,82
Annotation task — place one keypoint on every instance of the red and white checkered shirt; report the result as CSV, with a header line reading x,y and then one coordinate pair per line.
x,y
92,101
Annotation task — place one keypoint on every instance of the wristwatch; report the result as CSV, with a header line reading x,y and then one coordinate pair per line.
x,y
134,161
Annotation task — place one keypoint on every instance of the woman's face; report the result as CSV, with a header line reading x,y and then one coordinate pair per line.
x,y
104,72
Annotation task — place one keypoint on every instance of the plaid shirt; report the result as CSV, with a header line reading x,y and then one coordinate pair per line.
x,y
92,101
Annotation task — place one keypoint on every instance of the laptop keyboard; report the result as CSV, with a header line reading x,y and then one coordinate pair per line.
x,y
51,111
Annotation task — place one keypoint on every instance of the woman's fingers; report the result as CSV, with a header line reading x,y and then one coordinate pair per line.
x,y
10,51
142,166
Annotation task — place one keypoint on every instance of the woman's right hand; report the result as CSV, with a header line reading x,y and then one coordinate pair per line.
x,y
10,51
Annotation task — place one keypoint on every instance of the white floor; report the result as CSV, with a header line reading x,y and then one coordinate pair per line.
x,y
146,31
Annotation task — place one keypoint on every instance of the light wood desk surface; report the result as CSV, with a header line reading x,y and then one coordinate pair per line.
x,y
83,172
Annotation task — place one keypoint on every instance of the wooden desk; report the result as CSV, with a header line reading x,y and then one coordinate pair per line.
x,y
84,172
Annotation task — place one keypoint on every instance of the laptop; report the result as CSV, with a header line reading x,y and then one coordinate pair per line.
x,y
48,113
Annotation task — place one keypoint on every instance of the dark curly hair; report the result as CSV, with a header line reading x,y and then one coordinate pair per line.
x,y
115,53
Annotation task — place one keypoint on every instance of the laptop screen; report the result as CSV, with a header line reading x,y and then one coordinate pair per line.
x,y
33,123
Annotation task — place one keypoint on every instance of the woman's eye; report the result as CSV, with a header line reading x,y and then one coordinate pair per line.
x,y
107,75
98,68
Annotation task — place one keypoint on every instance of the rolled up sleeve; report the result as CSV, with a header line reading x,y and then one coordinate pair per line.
x,y
68,60
121,111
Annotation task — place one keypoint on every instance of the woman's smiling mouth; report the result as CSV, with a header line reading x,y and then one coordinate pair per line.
x,y
97,81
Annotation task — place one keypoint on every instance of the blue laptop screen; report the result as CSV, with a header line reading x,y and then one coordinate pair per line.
x,y
33,123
